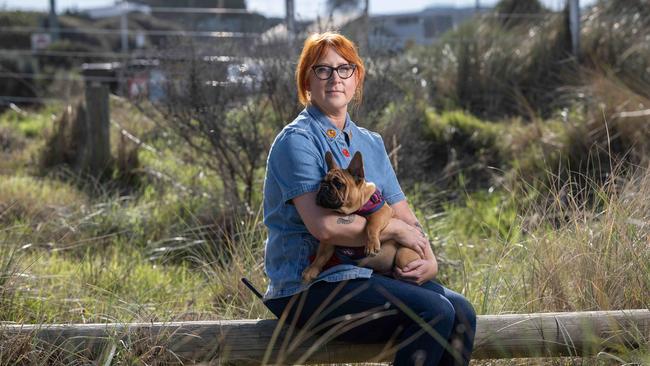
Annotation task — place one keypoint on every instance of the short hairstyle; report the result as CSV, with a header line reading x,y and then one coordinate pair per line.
x,y
314,49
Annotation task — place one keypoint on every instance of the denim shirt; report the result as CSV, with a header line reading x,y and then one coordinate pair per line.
x,y
295,166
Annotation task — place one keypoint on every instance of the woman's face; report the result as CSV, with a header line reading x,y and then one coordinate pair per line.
x,y
332,95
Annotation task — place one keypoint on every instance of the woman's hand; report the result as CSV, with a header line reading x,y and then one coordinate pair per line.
x,y
419,271
407,236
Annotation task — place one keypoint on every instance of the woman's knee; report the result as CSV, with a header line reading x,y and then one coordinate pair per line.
x,y
464,310
450,314
469,312
438,311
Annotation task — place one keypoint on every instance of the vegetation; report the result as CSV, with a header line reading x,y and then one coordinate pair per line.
x,y
531,182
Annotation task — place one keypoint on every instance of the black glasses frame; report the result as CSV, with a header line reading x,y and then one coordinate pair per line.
x,y
331,70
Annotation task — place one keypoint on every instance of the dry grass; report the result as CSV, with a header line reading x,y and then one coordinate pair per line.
x,y
599,257
573,240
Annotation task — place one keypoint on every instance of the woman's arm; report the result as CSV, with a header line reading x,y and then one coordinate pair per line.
x,y
402,211
349,230
327,225
422,270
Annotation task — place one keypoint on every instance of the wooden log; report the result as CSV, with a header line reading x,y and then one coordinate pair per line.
x,y
262,341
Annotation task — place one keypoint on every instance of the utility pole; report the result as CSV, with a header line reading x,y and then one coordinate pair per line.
x,y
124,26
124,31
365,37
53,22
574,25
290,19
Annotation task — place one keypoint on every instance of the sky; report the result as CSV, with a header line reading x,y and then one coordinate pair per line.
x,y
305,9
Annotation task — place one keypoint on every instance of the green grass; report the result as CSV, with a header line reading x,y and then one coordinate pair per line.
x,y
162,253
30,124
544,208
116,284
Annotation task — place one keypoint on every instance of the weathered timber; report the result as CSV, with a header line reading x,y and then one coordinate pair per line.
x,y
261,341
97,156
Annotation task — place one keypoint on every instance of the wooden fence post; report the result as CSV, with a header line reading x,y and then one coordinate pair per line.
x,y
98,146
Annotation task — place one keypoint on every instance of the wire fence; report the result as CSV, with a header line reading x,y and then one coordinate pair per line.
x,y
72,77
103,31
138,54
13,99
206,54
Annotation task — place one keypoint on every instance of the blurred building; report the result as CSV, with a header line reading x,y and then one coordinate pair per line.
x,y
396,31
386,32
117,10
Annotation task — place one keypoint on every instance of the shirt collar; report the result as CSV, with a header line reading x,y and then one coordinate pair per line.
x,y
327,127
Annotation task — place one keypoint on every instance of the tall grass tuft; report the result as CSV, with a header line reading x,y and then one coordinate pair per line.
x,y
9,271
598,257
615,39
241,255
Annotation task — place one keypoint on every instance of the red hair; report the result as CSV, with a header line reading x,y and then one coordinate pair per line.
x,y
314,48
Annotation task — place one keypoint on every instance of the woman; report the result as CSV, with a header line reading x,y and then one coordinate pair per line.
x,y
432,325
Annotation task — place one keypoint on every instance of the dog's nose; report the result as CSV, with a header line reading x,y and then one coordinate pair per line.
x,y
326,197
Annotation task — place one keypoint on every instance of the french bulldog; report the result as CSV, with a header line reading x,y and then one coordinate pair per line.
x,y
347,192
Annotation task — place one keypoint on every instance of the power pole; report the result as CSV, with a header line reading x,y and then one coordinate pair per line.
x,y
290,19
364,35
124,26
53,22
574,25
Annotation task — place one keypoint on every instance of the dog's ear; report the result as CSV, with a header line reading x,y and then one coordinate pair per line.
x,y
356,166
329,158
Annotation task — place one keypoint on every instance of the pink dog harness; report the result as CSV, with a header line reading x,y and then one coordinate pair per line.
x,y
375,202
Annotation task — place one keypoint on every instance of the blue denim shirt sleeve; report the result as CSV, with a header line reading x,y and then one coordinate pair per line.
x,y
391,189
295,164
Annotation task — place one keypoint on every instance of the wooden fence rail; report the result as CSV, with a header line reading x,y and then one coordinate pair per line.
x,y
261,341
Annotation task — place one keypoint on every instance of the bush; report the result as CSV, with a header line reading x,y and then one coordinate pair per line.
x,y
604,127
461,144
496,71
67,150
509,12
615,39
20,40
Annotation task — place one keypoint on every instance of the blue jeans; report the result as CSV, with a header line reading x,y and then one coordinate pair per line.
x,y
432,324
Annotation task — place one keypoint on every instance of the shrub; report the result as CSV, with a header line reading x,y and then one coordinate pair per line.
x,y
68,154
615,39
509,12
497,71
463,144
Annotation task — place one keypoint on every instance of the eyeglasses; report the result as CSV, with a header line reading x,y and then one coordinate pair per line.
x,y
324,72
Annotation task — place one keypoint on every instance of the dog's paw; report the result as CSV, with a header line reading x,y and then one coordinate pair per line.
x,y
309,274
373,248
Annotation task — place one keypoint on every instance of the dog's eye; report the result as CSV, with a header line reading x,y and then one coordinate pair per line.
x,y
337,183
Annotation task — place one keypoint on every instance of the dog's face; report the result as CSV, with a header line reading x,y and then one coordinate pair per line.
x,y
344,190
